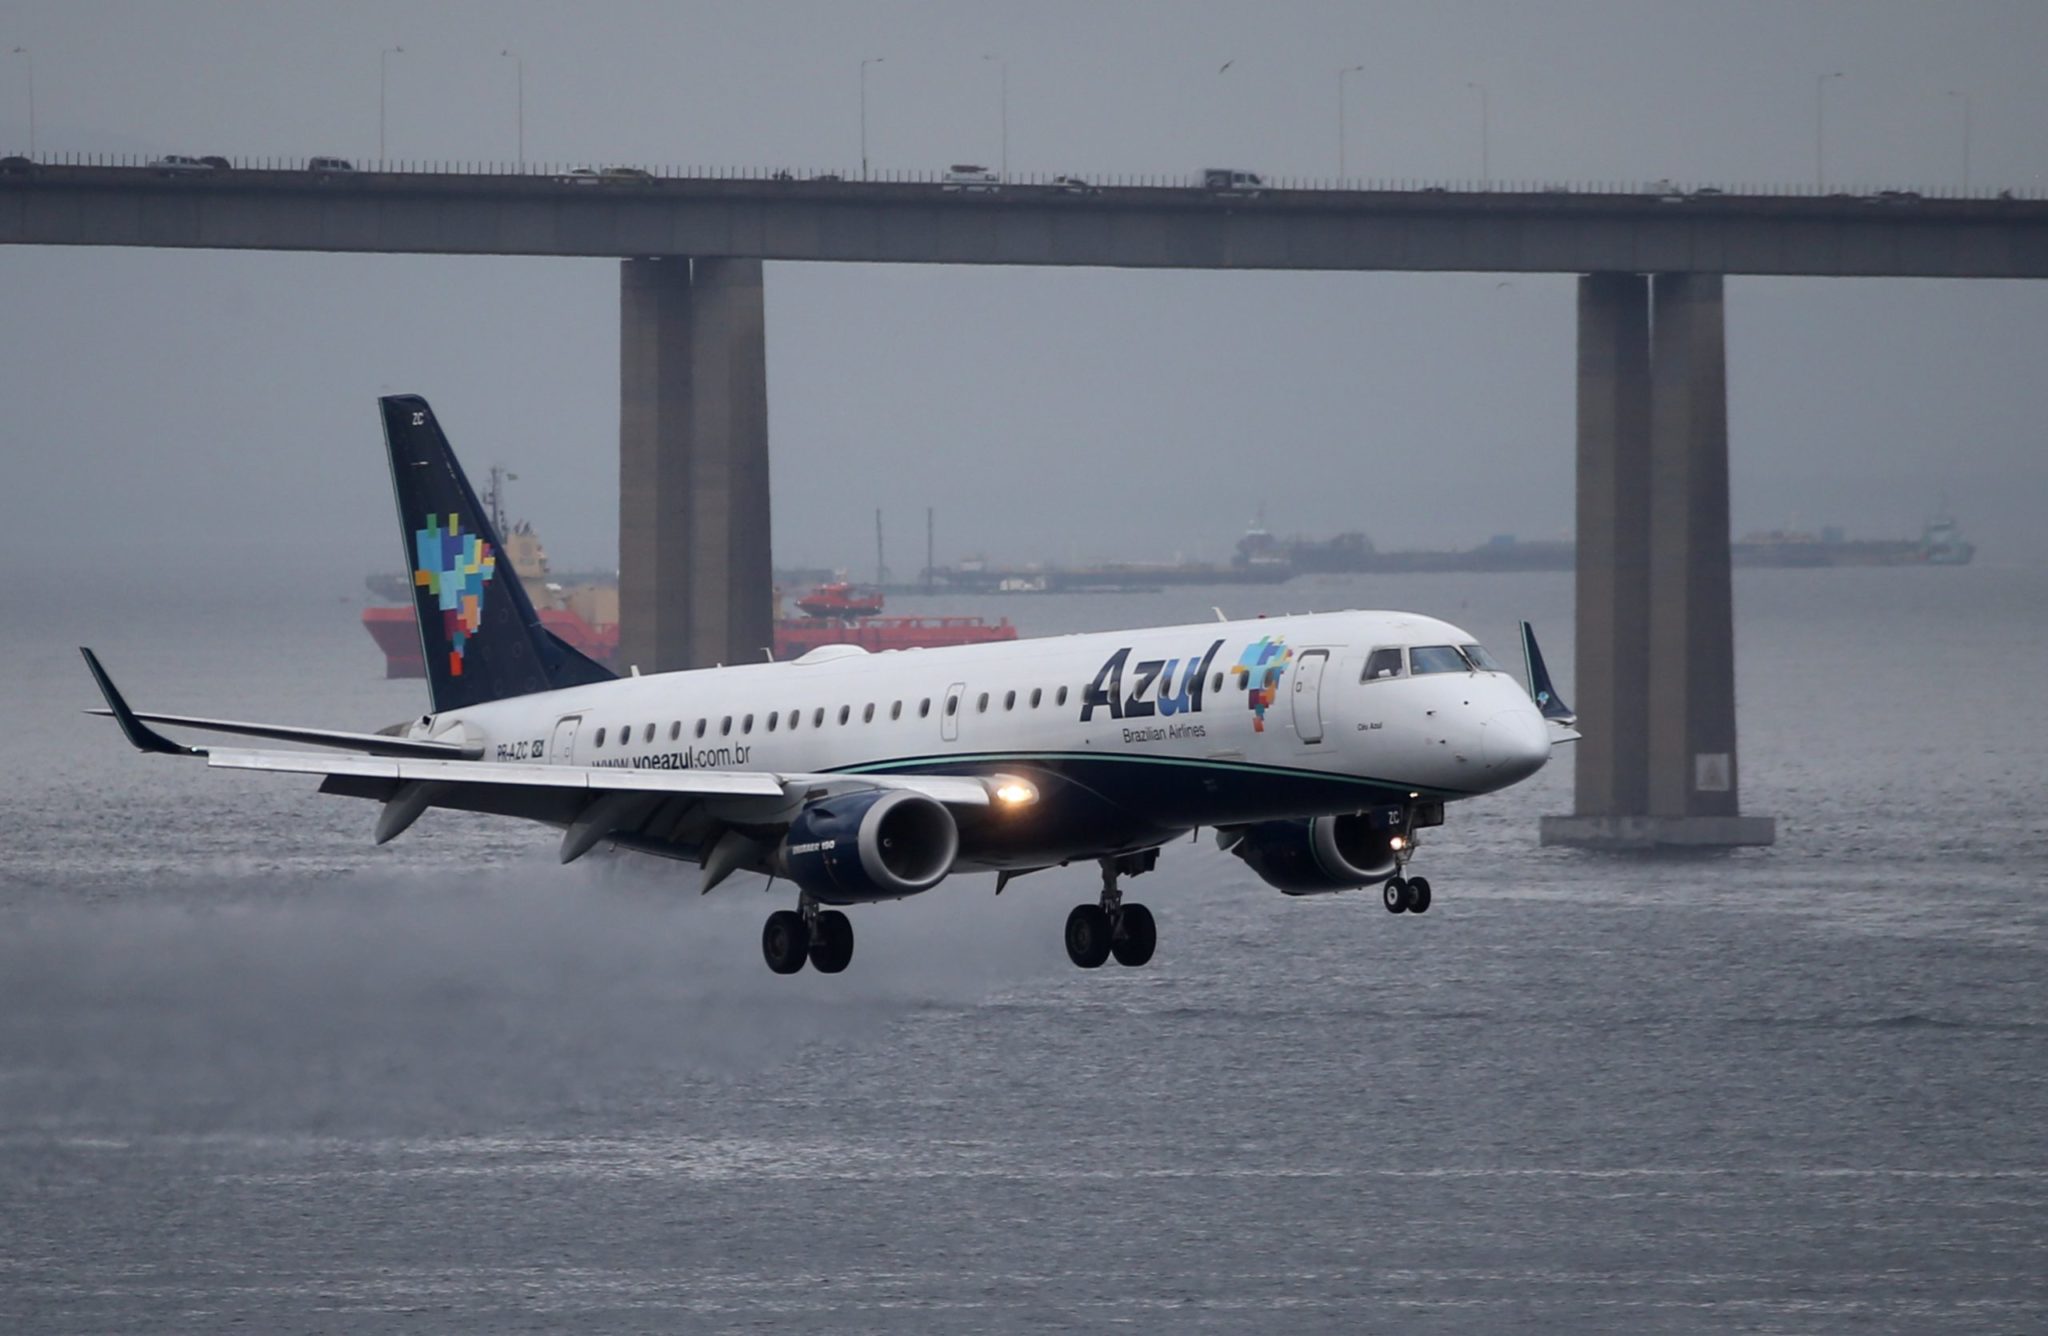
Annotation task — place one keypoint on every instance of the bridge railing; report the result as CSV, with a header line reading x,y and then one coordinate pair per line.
x,y
580,172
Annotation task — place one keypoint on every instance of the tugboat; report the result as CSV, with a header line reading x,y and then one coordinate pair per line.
x,y
842,600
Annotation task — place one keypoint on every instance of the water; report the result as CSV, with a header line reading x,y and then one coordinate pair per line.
x,y
254,1071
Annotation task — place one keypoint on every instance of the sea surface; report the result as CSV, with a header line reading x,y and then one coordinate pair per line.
x,y
257,1074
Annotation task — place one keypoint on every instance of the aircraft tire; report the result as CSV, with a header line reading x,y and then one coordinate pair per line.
x,y
832,944
1140,935
785,941
1395,895
1418,895
1088,936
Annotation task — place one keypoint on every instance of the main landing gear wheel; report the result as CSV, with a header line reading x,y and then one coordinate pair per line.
x,y
1133,939
1396,896
1088,936
1418,895
831,942
786,941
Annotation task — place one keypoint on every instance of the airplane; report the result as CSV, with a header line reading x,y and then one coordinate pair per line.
x,y
1313,746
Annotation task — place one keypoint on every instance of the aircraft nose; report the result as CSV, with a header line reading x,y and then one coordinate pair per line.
x,y
1514,745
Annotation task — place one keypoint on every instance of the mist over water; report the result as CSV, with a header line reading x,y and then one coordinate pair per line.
x,y
254,1070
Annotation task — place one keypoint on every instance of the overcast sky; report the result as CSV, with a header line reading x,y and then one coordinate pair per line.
x,y
211,415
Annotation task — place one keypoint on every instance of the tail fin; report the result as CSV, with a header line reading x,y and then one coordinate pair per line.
x,y
479,633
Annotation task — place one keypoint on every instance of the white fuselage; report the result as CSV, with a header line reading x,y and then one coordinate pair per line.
x,y
1170,727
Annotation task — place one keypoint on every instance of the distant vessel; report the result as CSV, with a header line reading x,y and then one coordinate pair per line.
x,y
1940,544
586,614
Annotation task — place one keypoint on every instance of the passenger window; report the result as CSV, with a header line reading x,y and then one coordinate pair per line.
x,y
1060,696
725,727
1009,700
845,713
773,718
700,728
599,741
867,715
648,735
1035,695
747,724
924,708
1436,659
675,730
981,704
818,717
896,710
952,706
1382,663
1481,660
1216,682
795,717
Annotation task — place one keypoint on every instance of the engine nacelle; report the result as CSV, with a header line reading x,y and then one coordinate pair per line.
x,y
882,844
1320,854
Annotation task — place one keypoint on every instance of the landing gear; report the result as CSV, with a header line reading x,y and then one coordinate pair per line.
x,y
1089,935
1406,895
785,941
1112,928
831,942
821,936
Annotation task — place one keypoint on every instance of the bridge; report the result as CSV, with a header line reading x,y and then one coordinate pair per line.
x,y
1655,648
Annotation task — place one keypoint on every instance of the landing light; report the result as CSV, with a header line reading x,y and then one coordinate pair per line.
x,y
1015,793
1398,842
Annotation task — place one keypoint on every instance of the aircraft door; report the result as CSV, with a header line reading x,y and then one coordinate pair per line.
x,y
1308,694
562,747
949,717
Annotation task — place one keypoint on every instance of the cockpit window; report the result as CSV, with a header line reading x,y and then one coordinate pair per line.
x,y
1437,659
1481,660
1382,663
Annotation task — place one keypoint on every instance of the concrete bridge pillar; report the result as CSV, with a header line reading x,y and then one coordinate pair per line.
x,y
695,572
1656,641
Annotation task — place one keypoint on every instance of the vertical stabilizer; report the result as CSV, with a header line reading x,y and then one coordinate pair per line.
x,y
479,633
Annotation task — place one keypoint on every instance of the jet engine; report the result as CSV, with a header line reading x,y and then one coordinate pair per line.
x,y
1317,855
881,844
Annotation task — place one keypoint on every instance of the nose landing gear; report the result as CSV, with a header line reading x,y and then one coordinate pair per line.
x,y
1110,927
1405,895
824,937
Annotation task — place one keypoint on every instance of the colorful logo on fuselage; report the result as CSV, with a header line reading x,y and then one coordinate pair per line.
x,y
1130,690
453,567
1259,670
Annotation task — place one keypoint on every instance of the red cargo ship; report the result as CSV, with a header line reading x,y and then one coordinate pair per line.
x,y
586,615
393,630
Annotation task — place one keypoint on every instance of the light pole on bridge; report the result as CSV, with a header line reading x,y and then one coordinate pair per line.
x,y
1342,75
520,62
29,63
1004,65
1820,143
871,60
383,78
1485,133
1964,98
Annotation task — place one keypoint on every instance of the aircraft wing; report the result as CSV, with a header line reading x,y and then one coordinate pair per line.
x,y
678,813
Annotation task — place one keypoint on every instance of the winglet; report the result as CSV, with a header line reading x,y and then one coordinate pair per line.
x,y
1540,689
142,735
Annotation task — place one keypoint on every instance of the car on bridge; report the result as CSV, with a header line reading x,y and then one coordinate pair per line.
x,y
1232,182
970,176
14,164
179,164
330,166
